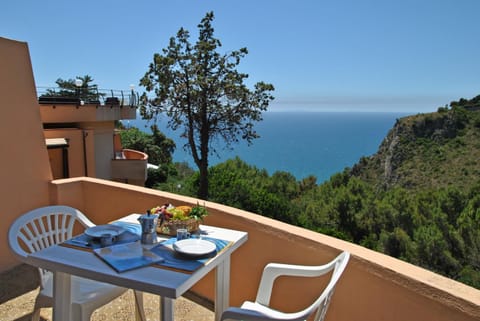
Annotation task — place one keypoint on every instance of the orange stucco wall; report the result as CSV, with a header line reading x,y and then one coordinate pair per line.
x,y
91,146
25,169
76,156
84,113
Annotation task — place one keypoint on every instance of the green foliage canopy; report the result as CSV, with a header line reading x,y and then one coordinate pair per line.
x,y
157,146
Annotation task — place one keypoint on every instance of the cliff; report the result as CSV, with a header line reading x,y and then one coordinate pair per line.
x,y
431,150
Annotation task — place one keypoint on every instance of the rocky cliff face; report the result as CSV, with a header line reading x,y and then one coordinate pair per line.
x,y
391,158
381,168
425,150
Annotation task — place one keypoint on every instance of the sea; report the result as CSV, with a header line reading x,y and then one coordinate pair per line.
x,y
301,143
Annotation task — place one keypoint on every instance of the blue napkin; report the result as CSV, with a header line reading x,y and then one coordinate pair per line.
x,y
177,261
125,257
131,227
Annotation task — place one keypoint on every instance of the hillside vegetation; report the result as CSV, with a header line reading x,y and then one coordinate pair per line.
x,y
416,199
427,151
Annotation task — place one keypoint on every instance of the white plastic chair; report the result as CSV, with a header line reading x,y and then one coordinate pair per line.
x,y
44,227
260,310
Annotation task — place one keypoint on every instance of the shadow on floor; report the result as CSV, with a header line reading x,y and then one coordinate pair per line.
x,y
28,318
18,281
19,284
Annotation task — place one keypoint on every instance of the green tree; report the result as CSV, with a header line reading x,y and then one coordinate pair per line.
x,y
285,184
469,228
397,244
433,252
86,92
308,183
203,95
158,147
238,184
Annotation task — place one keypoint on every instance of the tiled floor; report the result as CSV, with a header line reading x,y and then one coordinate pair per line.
x,y
18,291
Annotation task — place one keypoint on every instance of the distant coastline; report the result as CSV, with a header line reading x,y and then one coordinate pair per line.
x,y
301,143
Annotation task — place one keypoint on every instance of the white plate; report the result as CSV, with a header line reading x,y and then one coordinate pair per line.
x,y
99,230
194,247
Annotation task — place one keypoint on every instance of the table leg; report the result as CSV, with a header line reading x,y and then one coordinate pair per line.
x,y
222,287
139,310
166,308
62,294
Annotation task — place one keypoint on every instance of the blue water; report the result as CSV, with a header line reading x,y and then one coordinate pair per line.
x,y
302,143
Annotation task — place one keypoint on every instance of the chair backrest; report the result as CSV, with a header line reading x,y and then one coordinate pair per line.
x,y
43,227
320,305
339,265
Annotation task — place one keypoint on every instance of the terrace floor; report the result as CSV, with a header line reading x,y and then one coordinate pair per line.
x,y
18,289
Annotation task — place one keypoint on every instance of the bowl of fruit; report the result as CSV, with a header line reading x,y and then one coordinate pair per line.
x,y
172,218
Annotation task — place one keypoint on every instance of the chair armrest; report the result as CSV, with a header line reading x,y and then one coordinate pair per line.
x,y
244,314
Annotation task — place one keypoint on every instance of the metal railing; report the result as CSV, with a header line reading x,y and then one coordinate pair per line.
x,y
88,95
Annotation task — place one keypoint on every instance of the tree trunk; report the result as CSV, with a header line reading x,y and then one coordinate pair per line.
x,y
203,184
204,139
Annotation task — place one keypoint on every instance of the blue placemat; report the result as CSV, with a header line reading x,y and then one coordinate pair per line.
x,y
174,260
86,242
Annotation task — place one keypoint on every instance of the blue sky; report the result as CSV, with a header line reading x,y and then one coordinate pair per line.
x,y
332,55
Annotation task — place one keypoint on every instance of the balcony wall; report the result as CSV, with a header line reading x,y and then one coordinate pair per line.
x,y
374,287
72,113
132,168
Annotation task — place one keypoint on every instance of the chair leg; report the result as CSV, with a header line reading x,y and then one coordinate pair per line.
x,y
36,315
139,311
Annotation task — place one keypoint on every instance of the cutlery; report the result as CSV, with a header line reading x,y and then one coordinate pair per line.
x,y
84,243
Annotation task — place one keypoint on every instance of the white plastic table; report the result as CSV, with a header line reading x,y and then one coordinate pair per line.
x,y
168,284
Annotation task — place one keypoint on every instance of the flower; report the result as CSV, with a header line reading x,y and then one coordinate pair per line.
x,y
168,212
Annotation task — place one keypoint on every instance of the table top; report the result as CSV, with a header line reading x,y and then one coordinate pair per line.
x,y
151,279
